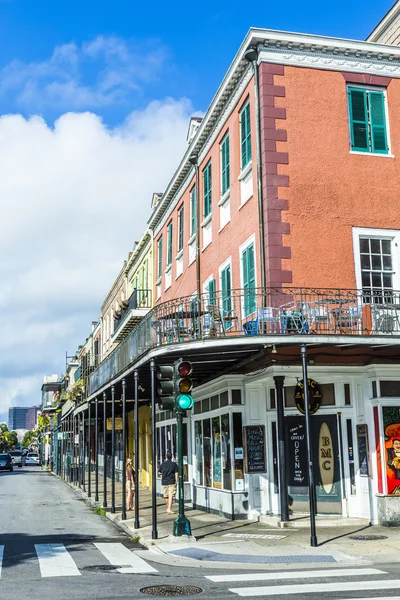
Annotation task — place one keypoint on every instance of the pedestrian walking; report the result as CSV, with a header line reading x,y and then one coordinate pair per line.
x,y
130,484
169,479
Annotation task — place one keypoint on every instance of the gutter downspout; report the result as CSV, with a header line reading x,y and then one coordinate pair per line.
x,y
251,55
193,159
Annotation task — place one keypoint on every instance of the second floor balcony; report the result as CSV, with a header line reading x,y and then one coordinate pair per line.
x,y
133,311
271,316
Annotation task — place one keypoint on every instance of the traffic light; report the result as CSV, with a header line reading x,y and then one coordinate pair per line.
x,y
183,384
166,387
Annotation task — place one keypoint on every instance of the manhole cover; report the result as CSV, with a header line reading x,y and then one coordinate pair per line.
x,y
96,568
368,537
171,590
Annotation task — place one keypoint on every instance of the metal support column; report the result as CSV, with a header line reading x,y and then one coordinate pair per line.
x,y
154,532
283,492
181,523
105,450
73,452
113,449
123,516
61,473
96,449
89,451
83,461
311,487
136,376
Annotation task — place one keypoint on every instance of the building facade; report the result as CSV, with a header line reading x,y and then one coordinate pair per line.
x,y
278,238
17,417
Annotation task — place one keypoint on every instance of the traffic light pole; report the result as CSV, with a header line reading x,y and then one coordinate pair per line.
x,y
181,523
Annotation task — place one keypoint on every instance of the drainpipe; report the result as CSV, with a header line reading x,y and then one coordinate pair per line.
x,y
193,159
251,55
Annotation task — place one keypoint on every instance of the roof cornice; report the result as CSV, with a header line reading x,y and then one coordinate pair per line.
x,y
385,22
292,48
137,253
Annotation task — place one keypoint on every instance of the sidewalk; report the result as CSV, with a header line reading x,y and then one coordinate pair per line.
x,y
225,544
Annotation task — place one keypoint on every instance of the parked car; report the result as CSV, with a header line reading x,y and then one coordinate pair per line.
x,y
6,462
33,458
17,458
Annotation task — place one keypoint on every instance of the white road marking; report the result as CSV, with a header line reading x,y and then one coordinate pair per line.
x,y
255,535
294,575
313,588
55,561
118,554
1,557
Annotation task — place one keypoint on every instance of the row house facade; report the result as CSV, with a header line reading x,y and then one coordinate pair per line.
x,y
278,235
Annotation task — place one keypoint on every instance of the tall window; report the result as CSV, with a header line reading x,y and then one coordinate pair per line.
x,y
193,211
248,280
376,266
368,128
180,228
207,190
169,244
225,165
159,257
245,135
226,292
211,292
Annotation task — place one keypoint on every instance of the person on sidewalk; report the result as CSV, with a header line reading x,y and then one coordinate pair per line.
x,y
169,479
130,484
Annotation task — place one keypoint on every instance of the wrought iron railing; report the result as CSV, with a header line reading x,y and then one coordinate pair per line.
x,y
280,311
139,299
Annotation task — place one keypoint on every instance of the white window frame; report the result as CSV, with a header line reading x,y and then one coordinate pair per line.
x,y
388,234
372,88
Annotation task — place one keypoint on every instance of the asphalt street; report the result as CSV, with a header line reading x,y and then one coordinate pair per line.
x,y
52,545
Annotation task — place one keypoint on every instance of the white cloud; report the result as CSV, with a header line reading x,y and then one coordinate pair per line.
x,y
114,67
73,199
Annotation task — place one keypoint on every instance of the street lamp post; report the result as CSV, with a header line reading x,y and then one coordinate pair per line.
x,y
182,523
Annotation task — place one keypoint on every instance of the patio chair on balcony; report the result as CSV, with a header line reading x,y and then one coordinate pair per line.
x,y
213,324
348,319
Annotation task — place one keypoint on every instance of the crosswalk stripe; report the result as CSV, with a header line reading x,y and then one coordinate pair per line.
x,y
55,561
294,575
118,554
1,557
277,590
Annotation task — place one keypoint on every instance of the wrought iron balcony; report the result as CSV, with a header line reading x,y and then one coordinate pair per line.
x,y
136,307
255,312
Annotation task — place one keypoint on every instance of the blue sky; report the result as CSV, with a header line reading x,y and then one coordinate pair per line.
x,y
180,49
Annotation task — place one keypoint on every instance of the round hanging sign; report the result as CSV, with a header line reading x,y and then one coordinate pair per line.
x,y
314,396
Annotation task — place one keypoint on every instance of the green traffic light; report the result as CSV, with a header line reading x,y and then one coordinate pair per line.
x,y
185,401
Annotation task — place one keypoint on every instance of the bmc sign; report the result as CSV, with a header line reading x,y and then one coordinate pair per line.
x,y
314,396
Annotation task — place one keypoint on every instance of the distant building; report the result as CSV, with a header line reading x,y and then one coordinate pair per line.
x,y
17,417
31,417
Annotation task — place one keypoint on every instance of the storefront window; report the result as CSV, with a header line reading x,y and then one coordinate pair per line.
x,y
218,447
167,442
217,461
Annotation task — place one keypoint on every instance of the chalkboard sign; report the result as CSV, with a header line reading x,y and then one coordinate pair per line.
x,y
296,453
362,445
254,443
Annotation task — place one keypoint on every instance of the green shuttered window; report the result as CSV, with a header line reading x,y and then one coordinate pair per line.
x,y
248,280
225,165
193,211
211,288
159,257
169,244
207,190
368,127
245,135
181,216
226,289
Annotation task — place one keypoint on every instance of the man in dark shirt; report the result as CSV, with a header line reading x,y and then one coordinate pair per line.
x,y
169,478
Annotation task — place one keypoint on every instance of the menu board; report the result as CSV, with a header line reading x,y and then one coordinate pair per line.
x,y
254,443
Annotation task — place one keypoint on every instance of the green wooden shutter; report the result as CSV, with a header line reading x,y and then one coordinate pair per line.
x,y
169,247
226,293
378,122
211,292
207,190
159,273
245,135
180,229
249,280
193,212
225,165
359,120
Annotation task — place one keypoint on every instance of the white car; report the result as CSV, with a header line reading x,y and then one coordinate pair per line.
x,y
33,458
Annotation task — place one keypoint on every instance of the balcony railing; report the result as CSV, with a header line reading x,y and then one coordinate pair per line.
x,y
137,305
281,311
